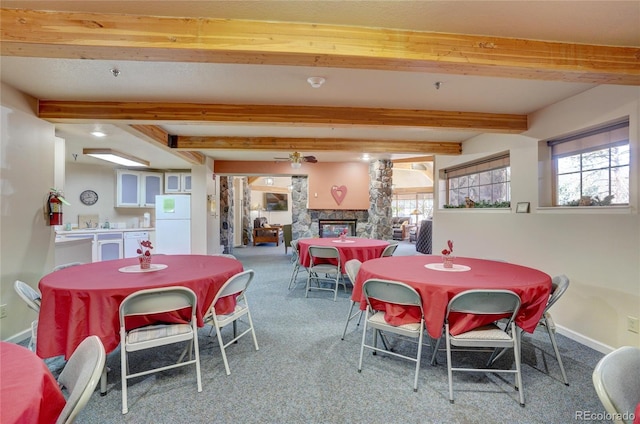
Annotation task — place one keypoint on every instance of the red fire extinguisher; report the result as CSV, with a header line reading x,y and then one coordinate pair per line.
x,y
54,204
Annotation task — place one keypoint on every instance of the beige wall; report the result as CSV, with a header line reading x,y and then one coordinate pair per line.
x,y
598,249
26,242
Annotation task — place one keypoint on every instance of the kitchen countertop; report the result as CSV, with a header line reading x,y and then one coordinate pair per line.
x,y
100,231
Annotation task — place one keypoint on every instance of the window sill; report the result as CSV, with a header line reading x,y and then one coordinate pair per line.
x,y
474,210
586,210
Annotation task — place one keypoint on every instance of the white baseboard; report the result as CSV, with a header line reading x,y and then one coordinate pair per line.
x,y
582,339
19,337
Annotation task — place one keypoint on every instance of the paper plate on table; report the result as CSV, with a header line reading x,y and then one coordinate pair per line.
x,y
440,267
136,268
343,241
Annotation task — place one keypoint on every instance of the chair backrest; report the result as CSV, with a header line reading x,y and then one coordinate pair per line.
x,y
559,285
67,265
80,376
388,251
616,379
224,255
159,300
237,284
391,292
352,266
294,253
485,302
31,297
324,252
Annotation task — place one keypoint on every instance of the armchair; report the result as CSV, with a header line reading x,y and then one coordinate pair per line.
x,y
265,233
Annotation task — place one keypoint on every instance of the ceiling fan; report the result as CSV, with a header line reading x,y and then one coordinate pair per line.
x,y
296,159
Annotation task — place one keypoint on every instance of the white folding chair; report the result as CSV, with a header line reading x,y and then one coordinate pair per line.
x,y
150,302
295,260
559,285
616,379
351,267
400,294
389,250
320,270
67,265
485,302
234,286
33,299
80,376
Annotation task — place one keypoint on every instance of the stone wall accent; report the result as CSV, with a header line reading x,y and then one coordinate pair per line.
x,y
380,196
362,217
226,214
247,223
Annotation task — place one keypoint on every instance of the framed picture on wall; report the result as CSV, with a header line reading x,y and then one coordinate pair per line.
x,y
522,207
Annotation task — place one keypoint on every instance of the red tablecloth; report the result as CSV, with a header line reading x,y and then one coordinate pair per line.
x,y
83,300
354,248
29,393
438,287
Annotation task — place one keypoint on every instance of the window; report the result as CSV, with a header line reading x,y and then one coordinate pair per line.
x,y
592,167
405,204
486,181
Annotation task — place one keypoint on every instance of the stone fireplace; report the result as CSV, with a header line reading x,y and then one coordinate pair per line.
x,y
328,228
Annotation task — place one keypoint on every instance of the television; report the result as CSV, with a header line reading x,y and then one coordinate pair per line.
x,y
276,201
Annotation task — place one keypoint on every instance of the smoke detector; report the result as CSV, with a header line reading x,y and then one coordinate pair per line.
x,y
316,82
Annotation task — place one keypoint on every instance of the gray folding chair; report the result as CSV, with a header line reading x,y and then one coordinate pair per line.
x,y
80,377
234,286
389,250
485,302
67,265
32,298
351,267
559,285
295,260
150,302
320,270
616,379
400,294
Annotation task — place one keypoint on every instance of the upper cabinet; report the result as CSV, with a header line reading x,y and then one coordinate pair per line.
x,y
137,189
177,182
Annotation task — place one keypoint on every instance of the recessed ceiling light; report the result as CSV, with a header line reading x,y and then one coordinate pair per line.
x,y
366,157
98,133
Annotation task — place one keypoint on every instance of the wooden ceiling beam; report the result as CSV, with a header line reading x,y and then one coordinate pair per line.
x,y
157,136
77,35
319,145
81,111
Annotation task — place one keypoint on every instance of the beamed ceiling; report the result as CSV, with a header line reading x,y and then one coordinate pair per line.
x,y
235,89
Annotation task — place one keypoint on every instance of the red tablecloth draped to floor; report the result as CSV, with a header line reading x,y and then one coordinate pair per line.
x,y
83,300
438,287
29,394
362,249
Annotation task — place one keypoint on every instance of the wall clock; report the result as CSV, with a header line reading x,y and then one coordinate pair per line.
x,y
89,197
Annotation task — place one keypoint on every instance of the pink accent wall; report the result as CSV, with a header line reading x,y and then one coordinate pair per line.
x,y
322,177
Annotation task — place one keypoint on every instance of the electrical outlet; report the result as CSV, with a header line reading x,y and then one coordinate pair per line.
x,y
3,311
632,324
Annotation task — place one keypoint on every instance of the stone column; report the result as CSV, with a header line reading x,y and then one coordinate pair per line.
x,y
226,213
247,224
300,217
380,196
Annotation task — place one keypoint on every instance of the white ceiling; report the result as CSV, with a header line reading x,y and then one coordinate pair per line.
x,y
593,22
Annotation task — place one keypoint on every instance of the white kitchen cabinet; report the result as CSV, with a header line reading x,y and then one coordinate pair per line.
x,y
177,182
137,189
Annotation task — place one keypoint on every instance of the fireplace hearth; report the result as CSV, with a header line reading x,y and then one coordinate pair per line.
x,y
330,228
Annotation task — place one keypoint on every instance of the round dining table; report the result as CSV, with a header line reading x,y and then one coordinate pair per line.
x,y
29,393
363,249
84,300
438,285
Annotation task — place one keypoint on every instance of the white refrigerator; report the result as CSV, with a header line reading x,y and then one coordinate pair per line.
x,y
173,224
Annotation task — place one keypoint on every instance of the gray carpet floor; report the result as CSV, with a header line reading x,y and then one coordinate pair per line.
x,y
304,372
